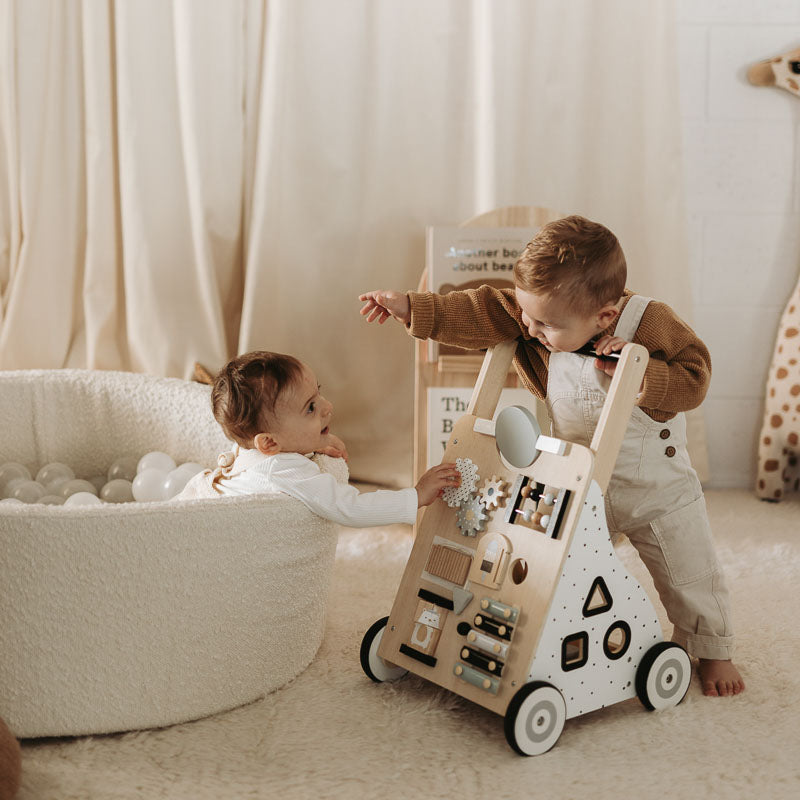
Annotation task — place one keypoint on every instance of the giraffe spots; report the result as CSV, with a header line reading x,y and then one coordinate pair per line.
x,y
761,484
795,390
781,372
791,333
778,494
772,392
767,440
792,361
792,438
785,407
771,466
776,420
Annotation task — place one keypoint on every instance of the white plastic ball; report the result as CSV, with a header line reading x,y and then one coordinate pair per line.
x,y
117,491
29,491
156,460
11,470
148,485
76,485
57,484
52,500
124,468
10,486
54,474
83,499
191,468
175,482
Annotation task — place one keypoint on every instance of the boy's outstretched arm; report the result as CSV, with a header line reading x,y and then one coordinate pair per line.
x,y
382,304
469,318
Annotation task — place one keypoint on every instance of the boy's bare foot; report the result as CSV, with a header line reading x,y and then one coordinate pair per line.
x,y
719,677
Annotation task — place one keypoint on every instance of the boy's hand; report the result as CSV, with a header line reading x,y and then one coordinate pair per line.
x,y
334,448
604,346
435,481
382,304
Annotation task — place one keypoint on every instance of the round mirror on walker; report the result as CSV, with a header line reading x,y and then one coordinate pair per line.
x,y
516,432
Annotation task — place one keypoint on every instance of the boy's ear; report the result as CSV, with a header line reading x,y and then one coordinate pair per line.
x,y
265,444
606,315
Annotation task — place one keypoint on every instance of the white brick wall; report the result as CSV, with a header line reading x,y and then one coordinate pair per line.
x,y
743,205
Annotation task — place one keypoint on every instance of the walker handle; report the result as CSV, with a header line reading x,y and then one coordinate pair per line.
x,y
617,410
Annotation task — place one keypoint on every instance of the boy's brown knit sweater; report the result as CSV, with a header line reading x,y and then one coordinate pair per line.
x,y
677,374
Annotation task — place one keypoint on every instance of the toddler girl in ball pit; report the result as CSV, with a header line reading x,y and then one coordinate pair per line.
x,y
270,405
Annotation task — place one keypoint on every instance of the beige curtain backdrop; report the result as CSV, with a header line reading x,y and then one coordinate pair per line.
x,y
182,180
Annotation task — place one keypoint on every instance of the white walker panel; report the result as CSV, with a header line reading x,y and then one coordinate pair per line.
x,y
593,659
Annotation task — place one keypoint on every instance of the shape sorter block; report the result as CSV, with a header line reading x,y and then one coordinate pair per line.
x,y
513,596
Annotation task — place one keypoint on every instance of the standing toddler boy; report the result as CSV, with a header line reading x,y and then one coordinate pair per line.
x,y
570,292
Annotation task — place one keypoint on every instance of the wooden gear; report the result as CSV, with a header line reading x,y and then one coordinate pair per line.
x,y
534,617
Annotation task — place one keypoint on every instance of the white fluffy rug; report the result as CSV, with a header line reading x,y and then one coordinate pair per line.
x,y
332,733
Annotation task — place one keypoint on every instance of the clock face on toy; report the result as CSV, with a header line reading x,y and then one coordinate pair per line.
x,y
516,431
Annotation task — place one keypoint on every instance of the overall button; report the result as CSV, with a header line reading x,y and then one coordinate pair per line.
x,y
664,434
670,451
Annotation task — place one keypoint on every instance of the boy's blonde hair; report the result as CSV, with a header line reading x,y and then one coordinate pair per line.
x,y
579,260
246,389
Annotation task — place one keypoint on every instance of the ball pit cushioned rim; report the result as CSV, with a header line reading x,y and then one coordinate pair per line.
x,y
149,614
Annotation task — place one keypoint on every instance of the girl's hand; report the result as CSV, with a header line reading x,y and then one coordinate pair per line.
x,y
435,481
334,448
382,304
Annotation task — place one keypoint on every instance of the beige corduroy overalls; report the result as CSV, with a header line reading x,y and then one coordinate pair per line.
x,y
654,497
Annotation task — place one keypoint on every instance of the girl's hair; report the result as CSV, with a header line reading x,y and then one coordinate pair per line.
x,y
579,260
246,389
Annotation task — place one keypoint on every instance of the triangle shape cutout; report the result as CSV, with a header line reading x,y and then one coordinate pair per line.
x,y
599,598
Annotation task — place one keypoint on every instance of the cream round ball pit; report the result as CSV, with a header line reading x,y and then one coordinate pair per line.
x,y
141,615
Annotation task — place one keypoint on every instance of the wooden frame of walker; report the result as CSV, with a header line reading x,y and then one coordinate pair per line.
x,y
479,607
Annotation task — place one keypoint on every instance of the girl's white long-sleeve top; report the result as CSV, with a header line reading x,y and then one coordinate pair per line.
x,y
296,475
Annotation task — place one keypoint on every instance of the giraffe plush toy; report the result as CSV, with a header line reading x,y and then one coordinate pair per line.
x,y
778,448
782,71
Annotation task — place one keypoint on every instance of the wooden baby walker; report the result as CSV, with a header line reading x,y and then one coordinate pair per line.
x,y
513,596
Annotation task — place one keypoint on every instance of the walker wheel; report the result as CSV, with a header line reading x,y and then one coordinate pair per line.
x,y
663,676
373,665
535,718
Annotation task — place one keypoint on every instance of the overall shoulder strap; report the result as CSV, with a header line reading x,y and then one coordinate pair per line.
x,y
631,317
